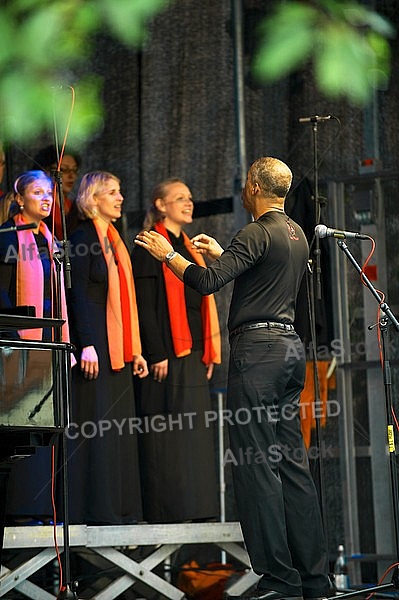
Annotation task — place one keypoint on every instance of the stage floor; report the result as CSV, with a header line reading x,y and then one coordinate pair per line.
x,y
109,543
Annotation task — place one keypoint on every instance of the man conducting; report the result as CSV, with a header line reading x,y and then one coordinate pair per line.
x,y
276,498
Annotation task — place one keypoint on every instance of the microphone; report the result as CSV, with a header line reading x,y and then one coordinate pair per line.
x,y
26,226
321,231
315,119
19,227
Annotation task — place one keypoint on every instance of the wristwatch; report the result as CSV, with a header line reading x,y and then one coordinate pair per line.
x,y
170,256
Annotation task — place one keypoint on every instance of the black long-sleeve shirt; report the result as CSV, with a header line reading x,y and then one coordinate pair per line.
x,y
266,260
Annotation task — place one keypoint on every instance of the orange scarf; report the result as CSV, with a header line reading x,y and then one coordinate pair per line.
x,y
181,335
122,317
30,277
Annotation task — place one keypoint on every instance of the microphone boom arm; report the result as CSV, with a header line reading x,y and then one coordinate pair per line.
x,y
383,305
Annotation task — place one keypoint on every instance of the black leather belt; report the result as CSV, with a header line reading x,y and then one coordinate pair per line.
x,y
262,325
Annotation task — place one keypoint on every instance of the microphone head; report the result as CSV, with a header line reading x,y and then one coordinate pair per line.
x,y
320,231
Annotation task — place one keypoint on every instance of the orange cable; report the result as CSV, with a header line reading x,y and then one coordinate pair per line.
x,y
382,578
61,584
57,551
61,156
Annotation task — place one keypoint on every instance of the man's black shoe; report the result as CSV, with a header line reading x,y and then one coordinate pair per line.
x,y
272,595
331,592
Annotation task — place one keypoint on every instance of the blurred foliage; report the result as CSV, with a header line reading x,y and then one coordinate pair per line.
x,y
346,42
45,43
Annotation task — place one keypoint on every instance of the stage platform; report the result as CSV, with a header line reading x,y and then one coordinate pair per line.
x,y
110,543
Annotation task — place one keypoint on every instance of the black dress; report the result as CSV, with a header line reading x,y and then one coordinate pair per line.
x,y
177,448
104,484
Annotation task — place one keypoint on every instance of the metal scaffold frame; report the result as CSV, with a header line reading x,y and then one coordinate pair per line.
x,y
108,542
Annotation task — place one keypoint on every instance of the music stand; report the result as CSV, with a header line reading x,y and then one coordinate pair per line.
x,y
20,434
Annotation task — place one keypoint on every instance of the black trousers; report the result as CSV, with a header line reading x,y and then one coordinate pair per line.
x,y
276,498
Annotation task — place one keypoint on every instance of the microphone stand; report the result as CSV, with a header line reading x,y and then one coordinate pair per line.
x,y
318,209
385,321
67,592
57,175
315,282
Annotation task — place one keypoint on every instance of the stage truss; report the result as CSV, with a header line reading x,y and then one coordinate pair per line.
x,y
108,542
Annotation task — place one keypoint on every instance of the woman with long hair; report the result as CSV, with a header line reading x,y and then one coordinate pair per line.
x,y
181,343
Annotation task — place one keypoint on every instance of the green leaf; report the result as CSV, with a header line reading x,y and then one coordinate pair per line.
x,y
49,35
382,52
344,64
25,106
287,40
345,40
6,38
357,15
88,116
128,18
43,39
30,106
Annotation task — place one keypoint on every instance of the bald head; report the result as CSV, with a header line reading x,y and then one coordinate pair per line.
x,y
272,176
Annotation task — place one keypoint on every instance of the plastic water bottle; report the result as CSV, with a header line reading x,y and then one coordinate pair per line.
x,y
341,570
